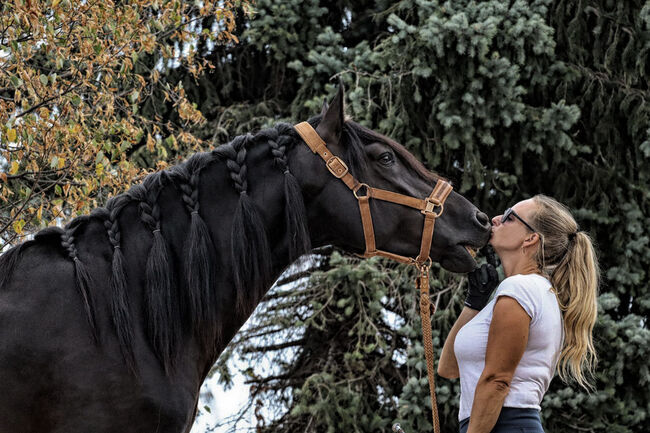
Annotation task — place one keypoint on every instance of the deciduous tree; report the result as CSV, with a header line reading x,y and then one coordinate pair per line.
x,y
76,83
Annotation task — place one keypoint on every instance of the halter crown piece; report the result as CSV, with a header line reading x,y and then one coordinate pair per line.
x,y
431,207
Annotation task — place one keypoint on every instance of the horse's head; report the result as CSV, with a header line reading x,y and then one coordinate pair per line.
x,y
333,210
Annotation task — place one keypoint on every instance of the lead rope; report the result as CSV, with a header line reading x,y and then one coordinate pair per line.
x,y
426,311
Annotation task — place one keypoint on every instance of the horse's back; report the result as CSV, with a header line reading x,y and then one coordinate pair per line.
x,y
54,376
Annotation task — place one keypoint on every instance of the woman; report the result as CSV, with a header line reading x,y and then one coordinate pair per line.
x,y
506,351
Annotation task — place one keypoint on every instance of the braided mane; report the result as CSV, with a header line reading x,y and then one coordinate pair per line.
x,y
171,306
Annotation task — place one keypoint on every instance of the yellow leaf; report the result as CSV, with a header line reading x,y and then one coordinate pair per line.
x,y
151,144
99,169
61,162
11,134
39,213
14,167
18,226
55,3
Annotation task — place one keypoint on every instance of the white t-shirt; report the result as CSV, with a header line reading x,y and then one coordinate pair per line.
x,y
537,366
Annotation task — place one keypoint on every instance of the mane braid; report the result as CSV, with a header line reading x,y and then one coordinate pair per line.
x,y
199,256
163,317
249,244
83,279
120,313
279,139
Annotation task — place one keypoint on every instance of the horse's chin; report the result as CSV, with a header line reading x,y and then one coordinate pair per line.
x,y
458,259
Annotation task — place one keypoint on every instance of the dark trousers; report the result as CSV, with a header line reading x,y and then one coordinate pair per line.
x,y
513,420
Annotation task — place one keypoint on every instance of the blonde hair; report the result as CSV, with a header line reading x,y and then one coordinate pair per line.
x,y
568,258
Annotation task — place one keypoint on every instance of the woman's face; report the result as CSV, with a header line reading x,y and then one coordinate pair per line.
x,y
509,235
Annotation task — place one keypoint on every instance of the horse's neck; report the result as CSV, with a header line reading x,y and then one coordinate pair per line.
x,y
239,200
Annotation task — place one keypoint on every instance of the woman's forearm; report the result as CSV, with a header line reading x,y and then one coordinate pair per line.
x,y
489,396
448,366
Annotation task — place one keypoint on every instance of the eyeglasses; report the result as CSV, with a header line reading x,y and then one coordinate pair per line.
x,y
509,212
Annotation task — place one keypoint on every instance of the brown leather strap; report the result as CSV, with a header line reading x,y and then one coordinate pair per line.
x,y
441,191
381,194
313,140
388,255
427,238
334,164
436,200
368,229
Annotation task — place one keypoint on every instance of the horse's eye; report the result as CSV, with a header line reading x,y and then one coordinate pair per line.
x,y
386,159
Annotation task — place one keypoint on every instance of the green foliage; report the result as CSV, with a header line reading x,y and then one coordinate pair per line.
x,y
508,99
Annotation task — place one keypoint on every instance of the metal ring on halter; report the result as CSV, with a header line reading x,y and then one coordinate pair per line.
x,y
356,191
425,265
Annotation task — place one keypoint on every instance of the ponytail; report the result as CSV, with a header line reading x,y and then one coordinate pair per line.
x,y
568,258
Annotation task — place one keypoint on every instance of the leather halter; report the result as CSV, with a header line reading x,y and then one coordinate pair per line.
x,y
431,207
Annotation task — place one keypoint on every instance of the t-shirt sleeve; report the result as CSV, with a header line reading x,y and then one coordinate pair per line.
x,y
525,293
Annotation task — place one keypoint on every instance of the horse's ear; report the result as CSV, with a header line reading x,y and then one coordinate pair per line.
x,y
331,124
325,107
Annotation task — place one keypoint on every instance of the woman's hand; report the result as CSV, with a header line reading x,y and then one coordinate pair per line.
x,y
482,282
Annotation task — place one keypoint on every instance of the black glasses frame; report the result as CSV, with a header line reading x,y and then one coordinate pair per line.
x,y
509,212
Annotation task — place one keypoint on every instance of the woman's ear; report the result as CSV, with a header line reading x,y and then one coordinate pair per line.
x,y
532,239
331,125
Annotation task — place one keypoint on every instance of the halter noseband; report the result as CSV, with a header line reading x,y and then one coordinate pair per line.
x,y
432,206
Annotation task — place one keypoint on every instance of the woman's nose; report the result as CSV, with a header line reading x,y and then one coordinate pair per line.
x,y
496,220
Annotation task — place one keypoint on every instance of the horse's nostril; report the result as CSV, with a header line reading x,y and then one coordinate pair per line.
x,y
482,218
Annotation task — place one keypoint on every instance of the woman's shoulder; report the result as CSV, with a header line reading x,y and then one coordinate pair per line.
x,y
529,290
526,280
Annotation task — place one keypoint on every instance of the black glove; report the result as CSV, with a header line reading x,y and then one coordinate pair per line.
x,y
482,281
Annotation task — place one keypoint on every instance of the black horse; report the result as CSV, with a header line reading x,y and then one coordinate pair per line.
x,y
112,323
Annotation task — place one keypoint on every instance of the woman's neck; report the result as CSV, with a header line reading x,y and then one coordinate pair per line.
x,y
521,265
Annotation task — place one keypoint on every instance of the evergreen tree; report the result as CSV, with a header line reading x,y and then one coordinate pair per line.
x,y
509,99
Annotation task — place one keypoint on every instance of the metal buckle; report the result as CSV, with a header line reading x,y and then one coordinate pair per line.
x,y
337,167
431,204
